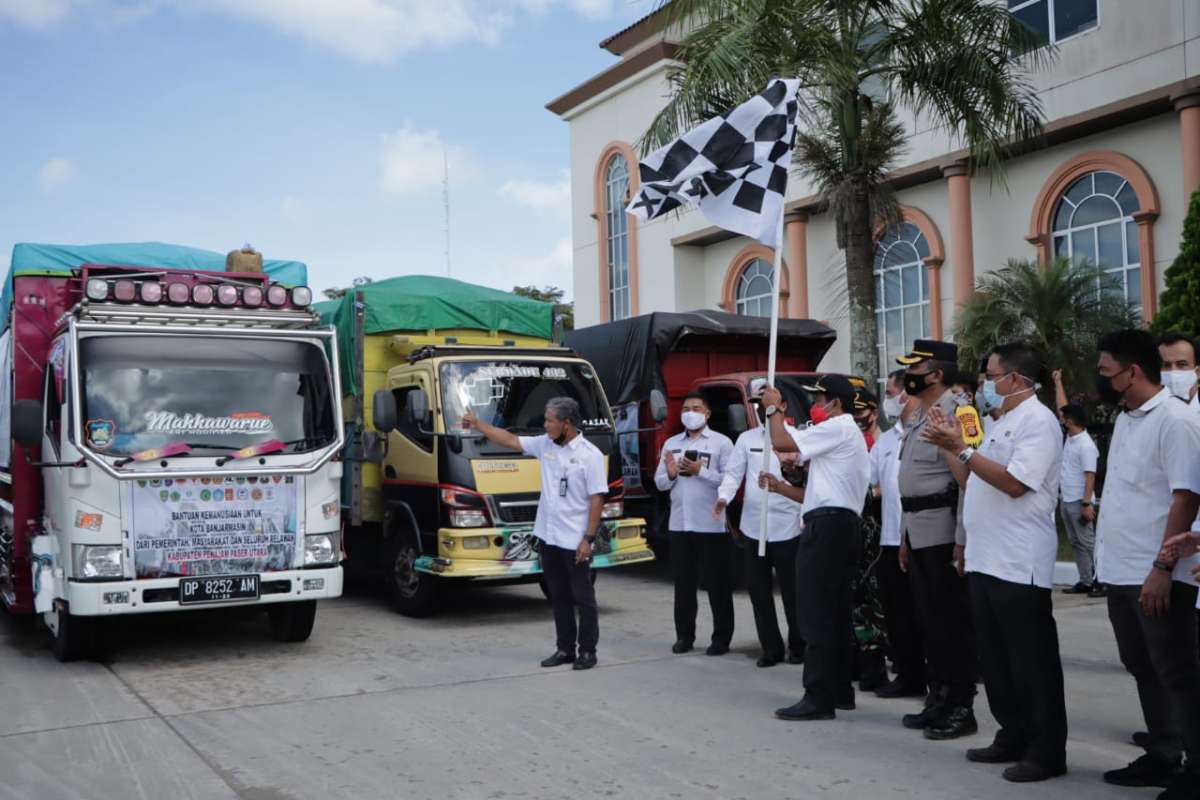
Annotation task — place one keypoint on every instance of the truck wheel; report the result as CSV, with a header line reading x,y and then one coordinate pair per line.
x,y
546,589
74,636
415,594
292,622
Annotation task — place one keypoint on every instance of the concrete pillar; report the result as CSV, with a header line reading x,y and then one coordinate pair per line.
x,y
796,257
962,240
1188,108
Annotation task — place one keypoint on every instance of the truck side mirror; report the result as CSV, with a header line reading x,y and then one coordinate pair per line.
x,y
658,405
736,417
28,422
383,411
418,407
375,446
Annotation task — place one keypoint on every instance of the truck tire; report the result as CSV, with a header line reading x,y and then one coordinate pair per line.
x,y
292,622
414,594
546,589
75,637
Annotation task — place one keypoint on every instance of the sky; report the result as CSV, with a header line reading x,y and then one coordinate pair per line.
x,y
315,130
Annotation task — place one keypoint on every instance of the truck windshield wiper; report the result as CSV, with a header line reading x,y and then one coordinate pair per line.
x,y
166,451
260,449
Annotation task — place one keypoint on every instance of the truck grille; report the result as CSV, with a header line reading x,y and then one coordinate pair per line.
x,y
516,508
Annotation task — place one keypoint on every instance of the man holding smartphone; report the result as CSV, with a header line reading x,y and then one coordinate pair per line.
x,y
690,468
573,488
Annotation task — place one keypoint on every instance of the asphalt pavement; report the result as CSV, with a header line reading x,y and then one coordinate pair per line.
x,y
376,705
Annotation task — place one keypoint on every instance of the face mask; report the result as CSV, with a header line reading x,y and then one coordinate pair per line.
x,y
1180,382
692,420
915,384
818,414
1108,393
962,399
990,397
892,407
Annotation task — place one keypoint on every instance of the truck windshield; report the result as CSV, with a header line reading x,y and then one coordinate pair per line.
x,y
213,393
513,394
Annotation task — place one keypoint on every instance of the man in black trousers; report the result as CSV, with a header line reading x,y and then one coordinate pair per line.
x,y
828,550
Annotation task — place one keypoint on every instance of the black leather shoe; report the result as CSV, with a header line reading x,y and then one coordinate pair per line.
x,y
1184,786
1141,739
874,680
846,702
958,721
716,649
558,659
993,754
586,660
1098,590
681,646
1079,588
928,716
767,661
896,688
1146,770
804,711
1029,772
795,657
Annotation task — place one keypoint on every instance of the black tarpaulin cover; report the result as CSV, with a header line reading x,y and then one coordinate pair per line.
x,y
628,354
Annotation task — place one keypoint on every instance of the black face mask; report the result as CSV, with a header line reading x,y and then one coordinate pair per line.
x,y
916,384
1108,393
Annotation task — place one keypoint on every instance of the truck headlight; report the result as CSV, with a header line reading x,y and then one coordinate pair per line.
x,y
476,542
94,562
467,518
320,548
613,509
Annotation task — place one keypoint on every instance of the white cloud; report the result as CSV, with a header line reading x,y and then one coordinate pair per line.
x,y
553,198
552,268
56,172
34,13
293,210
412,162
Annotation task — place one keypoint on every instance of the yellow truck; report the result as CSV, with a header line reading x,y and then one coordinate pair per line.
x,y
424,501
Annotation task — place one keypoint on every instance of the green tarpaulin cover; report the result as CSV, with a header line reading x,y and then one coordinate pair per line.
x,y
427,302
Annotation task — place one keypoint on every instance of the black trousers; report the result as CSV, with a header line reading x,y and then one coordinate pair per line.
x,y
827,556
1022,671
900,614
1160,653
780,559
570,587
944,617
702,559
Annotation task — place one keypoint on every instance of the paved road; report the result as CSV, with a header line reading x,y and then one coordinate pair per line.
x,y
379,706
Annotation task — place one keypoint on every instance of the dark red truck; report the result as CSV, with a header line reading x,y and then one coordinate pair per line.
x,y
647,364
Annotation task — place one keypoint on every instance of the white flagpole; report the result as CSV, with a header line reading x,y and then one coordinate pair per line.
x,y
768,451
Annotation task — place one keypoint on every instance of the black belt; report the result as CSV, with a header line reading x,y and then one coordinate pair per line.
x,y
827,511
925,502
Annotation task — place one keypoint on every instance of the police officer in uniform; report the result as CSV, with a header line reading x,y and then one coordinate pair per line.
x,y
929,497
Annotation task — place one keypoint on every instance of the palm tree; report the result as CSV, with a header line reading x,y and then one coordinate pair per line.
x,y
1060,310
958,64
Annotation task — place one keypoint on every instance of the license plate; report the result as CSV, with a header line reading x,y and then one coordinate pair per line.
x,y
218,588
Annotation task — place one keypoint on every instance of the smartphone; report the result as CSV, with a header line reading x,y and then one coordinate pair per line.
x,y
691,455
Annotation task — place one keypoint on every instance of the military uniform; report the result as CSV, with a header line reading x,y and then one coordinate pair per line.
x,y
929,498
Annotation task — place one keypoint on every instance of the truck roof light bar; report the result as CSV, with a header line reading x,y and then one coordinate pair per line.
x,y
124,291
178,293
277,295
152,292
227,294
252,296
301,296
203,294
97,289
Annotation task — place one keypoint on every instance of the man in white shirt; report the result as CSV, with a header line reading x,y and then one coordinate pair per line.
x,y
1151,494
573,489
1076,488
690,468
895,591
1179,374
1008,515
828,550
745,470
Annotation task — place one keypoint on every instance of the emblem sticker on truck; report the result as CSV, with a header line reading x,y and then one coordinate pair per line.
x,y
100,432
192,424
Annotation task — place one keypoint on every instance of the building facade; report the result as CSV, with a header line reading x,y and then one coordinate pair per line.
x,y
1120,159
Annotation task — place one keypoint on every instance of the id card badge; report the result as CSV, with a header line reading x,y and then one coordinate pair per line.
x,y
562,486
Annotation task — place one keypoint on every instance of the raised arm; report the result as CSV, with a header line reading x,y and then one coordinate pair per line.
x,y
781,440
491,432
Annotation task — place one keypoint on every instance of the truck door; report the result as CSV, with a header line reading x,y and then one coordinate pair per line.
x,y
410,471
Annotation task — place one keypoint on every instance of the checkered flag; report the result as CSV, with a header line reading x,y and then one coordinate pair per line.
x,y
733,167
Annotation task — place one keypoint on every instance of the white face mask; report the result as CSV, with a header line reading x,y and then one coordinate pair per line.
x,y
692,420
892,407
1180,382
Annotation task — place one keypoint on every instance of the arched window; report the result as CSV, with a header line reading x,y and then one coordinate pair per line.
x,y
902,310
616,229
753,293
1094,223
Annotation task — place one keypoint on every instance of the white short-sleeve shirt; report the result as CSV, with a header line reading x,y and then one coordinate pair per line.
x,y
745,463
1015,538
1080,455
1155,451
885,473
838,467
571,474
694,496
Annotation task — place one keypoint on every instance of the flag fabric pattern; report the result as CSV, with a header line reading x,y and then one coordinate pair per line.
x,y
734,167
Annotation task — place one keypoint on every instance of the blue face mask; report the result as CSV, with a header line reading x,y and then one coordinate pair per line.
x,y
989,398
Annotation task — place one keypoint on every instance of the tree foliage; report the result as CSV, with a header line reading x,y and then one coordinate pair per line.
x,y
1179,305
551,294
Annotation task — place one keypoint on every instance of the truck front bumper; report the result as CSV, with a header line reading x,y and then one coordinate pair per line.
x,y
626,540
162,594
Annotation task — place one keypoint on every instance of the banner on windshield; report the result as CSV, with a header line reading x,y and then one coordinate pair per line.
x,y
214,526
